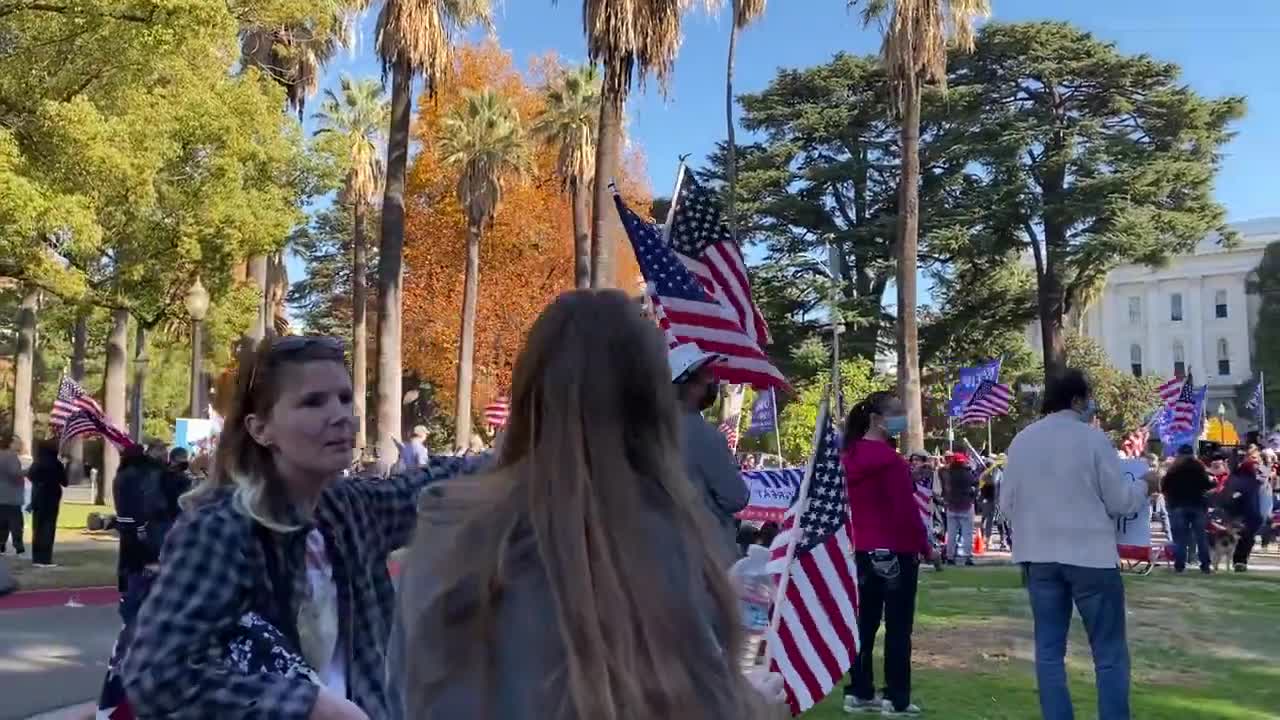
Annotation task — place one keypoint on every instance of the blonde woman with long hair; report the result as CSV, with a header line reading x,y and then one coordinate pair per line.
x,y
578,579
273,598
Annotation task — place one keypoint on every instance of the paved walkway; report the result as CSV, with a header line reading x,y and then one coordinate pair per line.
x,y
52,656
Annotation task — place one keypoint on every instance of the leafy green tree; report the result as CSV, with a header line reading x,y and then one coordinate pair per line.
x,y
1084,156
321,299
1265,282
1124,402
797,418
483,137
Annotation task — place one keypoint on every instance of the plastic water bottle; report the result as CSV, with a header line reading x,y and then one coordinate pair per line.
x,y
756,589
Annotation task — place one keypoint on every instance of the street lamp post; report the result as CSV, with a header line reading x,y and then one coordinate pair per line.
x,y
197,302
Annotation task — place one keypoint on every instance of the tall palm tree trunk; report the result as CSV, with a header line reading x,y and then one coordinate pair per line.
x,y
607,151
391,265
113,395
908,245
467,345
731,157
141,369
359,324
24,372
79,351
581,234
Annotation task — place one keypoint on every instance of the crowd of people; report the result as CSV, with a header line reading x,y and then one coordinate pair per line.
x,y
579,569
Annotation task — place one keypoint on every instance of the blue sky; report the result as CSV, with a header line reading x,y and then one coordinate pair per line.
x,y
1224,48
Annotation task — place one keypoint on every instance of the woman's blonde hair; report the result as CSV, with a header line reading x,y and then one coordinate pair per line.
x,y
590,456
240,462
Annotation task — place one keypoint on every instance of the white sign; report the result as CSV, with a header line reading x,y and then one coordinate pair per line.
x,y
1135,529
771,493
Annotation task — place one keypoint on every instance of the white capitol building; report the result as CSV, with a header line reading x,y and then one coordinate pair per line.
x,y
1192,314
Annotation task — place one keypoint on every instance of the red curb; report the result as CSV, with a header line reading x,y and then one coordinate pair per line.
x,y
29,599
104,595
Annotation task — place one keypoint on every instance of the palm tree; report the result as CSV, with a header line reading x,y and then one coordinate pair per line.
x,y
352,122
628,37
914,52
414,36
483,139
745,12
292,54
568,122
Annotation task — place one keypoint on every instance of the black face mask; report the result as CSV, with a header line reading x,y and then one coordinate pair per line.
x,y
709,398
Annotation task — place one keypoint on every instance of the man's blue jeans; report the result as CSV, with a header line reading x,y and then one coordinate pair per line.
x,y
1098,594
1188,526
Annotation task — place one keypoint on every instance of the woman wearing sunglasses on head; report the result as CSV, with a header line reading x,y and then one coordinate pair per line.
x,y
273,598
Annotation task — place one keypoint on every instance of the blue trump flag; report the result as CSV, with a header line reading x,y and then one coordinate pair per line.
x,y
970,379
762,414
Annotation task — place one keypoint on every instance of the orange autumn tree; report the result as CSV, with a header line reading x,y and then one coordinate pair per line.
x,y
526,257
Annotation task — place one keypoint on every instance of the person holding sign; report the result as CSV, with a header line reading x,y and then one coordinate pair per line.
x,y
1062,488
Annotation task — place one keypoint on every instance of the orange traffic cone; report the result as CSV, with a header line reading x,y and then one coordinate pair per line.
x,y
979,543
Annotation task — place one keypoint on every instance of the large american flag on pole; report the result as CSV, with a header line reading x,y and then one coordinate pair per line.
x,y
71,399
989,400
88,422
813,635
705,245
1180,402
687,313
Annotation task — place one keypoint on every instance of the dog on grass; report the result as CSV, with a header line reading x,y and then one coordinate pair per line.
x,y
1223,536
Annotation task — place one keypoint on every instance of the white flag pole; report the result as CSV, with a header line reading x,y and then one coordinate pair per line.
x,y
675,196
801,504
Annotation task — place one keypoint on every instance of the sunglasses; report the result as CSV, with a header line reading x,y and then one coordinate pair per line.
x,y
294,344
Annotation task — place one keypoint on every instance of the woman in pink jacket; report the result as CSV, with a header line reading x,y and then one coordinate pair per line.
x,y
888,539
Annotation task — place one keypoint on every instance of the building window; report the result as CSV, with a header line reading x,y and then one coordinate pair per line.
x,y
1224,357
1175,307
1135,360
1220,303
1179,359
1135,310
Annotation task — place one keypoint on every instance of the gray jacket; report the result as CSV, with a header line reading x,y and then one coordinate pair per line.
x,y
11,485
714,472
524,667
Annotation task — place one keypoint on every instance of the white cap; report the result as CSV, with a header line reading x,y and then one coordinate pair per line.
x,y
688,359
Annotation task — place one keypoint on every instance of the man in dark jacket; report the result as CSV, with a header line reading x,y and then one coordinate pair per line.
x,y
1185,486
1239,501
959,490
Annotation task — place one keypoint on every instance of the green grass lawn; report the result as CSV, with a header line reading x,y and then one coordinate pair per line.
x,y
1203,648
84,559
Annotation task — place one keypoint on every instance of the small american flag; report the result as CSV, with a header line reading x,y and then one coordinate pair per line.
x,y
706,247
71,399
1182,407
729,428
686,313
89,422
989,400
813,638
1171,389
497,412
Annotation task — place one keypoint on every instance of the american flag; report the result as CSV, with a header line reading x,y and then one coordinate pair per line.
x,y
989,400
1182,407
497,412
706,247
729,428
813,638
89,422
1171,389
1135,444
686,313
71,399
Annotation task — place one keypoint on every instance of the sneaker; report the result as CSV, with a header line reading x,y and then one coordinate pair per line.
x,y
45,566
968,562
887,709
1241,567
1206,571
854,704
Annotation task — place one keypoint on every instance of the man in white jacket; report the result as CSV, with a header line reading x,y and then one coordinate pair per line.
x,y
1063,488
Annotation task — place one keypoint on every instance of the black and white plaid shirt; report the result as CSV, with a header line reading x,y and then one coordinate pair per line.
x,y
213,570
